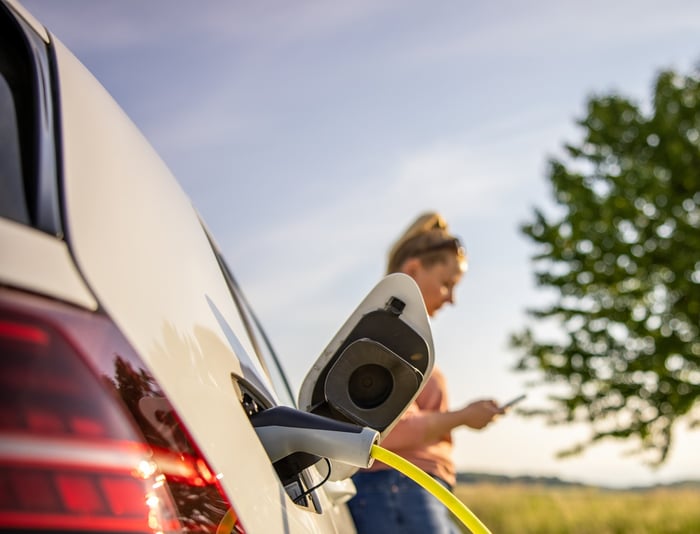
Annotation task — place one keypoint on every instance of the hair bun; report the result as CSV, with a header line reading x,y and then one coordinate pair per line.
x,y
427,222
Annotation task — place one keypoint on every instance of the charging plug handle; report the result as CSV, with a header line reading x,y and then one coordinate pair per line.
x,y
284,431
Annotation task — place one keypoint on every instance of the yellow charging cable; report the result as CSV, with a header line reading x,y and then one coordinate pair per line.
x,y
419,476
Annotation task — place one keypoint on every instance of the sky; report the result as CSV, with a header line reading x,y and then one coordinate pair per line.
x,y
310,134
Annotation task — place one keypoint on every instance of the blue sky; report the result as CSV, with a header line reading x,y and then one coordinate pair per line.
x,y
309,134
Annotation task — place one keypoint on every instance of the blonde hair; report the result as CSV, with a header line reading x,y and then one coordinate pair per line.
x,y
429,239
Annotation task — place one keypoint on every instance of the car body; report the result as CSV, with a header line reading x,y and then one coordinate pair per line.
x,y
131,362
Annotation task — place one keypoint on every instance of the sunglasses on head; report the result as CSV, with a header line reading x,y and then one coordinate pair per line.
x,y
452,243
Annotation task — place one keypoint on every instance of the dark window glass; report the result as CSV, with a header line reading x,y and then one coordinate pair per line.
x,y
13,74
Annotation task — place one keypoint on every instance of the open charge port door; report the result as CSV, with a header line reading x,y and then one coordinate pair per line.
x,y
377,363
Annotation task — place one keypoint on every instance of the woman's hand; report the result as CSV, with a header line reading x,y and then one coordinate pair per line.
x,y
480,413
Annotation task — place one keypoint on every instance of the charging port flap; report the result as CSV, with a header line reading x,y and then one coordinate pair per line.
x,y
378,361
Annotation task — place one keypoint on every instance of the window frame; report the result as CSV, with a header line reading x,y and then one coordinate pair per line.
x,y
37,120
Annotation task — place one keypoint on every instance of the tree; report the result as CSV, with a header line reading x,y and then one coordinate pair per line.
x,y
621,253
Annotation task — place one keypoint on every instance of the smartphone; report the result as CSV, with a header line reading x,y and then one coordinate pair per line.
x,y
514,401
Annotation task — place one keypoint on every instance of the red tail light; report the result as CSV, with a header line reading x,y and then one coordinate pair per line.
x,y
88,441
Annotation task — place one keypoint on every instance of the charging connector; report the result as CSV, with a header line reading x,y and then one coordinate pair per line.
x,y
285,431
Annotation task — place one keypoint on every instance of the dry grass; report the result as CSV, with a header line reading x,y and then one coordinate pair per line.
x,y
524,509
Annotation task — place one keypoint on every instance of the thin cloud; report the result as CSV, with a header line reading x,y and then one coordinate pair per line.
x,y
529,29
134,23
475,175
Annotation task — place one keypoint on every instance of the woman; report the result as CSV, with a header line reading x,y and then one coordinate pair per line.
x,y
386,500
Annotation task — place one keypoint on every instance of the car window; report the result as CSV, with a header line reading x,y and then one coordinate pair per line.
x,y
259,339
28,169
12,200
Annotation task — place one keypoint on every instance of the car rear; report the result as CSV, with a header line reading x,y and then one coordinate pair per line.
x,y
129,367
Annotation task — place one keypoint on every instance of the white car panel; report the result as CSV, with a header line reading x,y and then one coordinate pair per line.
x,y
142,250
40,262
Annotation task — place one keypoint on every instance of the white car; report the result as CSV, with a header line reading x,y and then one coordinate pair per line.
x,y
139,392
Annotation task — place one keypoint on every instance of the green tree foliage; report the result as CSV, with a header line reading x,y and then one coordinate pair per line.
x,y
621,253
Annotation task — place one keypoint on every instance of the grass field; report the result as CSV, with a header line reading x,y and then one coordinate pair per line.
x,y
526,509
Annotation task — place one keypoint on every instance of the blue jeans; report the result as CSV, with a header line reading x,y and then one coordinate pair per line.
x,y
388,502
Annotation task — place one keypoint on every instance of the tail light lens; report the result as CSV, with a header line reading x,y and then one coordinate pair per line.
x,y
88,441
